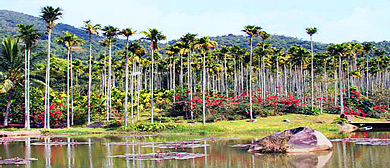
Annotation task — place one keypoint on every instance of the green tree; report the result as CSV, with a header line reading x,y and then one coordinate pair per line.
x,y
11,62
91,30
188,43
153,35
110,32
69,40
49,15
251,31
204,44
29,37
311,31
127,33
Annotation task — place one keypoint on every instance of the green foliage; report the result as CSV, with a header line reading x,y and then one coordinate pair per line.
x,y
155,127
340,121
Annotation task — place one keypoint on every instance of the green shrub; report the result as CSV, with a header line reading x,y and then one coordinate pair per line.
x,y
155,127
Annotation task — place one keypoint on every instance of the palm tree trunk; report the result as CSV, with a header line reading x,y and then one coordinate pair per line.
x,y
226,78
312,73
341,86
204,89
8,108
89,80
132,93
28,90
174,81
71,88
250,82
152,87
127,82
190,82
181,71
47,88
67,90
26,83
109,81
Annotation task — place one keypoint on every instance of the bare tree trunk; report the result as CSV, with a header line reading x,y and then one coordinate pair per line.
x,y
8,108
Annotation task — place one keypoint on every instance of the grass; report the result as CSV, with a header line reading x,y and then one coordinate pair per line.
x,y
230,129
264,126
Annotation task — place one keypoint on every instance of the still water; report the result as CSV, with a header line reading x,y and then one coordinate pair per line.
x,y
211,152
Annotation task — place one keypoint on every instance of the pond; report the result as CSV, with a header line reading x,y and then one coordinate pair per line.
x,y
359,150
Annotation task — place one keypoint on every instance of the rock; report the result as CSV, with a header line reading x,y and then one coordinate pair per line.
x,y
346,128
178,121
95,125
252,120
286,120
301,139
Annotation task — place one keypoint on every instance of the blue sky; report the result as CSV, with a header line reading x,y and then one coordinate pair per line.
x,y
337,20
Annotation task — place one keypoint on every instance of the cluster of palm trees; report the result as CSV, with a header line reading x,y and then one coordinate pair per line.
x,y
262,71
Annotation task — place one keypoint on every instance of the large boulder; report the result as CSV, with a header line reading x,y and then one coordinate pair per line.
x,y
301,139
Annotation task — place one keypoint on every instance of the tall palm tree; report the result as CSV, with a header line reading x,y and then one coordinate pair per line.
x,y
29,37
110,33
69,40
153,35
188,43
127,33
11,65
91,30
264,36
367,47
251,31
311,31
137,51
204,44
49,15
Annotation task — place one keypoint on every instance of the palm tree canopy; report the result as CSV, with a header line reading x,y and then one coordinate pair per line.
x,y
137,49
205,44
70,40
264,35
110,32
28,34
188,40
153,35
90,28
251,30
311,30
50,15
128,32
11,59
104,42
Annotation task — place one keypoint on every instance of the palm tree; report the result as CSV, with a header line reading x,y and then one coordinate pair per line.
x,y
153,35
110,33
29,37
264,36
204,44
367,47
11,66
136,51
69,40
251,31
188,43
311,31
127,33
91,30
49,15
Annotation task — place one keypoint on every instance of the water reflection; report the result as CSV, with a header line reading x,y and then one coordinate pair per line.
x,y
216,154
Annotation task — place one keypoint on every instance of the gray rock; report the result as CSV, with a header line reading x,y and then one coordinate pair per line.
x,y
301,139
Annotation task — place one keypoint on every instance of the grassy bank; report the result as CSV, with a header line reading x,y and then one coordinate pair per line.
x,y
232,129
264,126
